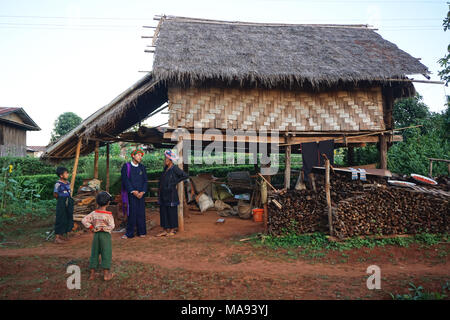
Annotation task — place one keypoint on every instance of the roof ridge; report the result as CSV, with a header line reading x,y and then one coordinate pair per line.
x,y
262,24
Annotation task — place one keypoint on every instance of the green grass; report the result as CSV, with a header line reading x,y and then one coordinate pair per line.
x,y
418,293
316,244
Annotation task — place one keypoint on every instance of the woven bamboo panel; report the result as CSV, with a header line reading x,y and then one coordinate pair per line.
x,y
284,110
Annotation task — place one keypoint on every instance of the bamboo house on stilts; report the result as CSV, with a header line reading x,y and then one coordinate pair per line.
x,y
307,83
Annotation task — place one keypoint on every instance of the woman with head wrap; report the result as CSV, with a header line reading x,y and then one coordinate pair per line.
x,y
168,194
134,186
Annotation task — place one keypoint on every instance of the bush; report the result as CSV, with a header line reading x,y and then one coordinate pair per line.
x,y
27,165
411,156
48,182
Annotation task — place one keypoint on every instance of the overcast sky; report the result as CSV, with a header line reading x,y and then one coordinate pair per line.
x,y
62,55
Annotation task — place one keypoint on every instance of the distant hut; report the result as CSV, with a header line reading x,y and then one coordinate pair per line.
x,y
14,124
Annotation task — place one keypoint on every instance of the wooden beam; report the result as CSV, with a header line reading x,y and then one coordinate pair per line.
x,y
383,151
231,138
75,167
287,170
107,168
180,188
97,144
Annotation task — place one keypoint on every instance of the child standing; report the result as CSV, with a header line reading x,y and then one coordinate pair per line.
x,y
64,205
101,222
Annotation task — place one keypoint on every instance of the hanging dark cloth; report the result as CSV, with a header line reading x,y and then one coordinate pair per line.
x,y
311,155
326,147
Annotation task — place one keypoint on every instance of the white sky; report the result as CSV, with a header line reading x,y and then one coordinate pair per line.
x,y
58,56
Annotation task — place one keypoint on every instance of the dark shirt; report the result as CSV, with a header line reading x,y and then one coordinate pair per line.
x,y
168,194
138,178
62,189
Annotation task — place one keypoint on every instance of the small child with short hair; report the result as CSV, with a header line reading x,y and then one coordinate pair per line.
x,y
101,222
64,205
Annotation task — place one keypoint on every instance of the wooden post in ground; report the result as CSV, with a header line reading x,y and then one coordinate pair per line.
x,y
287,170
75,166
383,151
328,194
430,172
266,208
97,144
180,187
107,168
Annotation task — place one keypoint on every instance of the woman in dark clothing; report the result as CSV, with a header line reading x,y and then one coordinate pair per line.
x,y
168,194
134,182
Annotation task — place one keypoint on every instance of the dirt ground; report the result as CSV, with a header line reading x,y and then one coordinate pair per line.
x,y
208,261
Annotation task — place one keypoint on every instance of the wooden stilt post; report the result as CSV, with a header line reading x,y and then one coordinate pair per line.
x,y
328,194
107,168
287,170
383,151
97,144
75,166
350,155
430,172
180,188
265,207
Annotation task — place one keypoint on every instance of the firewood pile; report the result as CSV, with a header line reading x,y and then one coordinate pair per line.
x,y
84,201
391,211
359,208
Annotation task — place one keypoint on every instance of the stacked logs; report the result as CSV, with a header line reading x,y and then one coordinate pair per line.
x,y
359,209
303,211
390,211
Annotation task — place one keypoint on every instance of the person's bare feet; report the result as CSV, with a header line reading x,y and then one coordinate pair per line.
x,y
107,275
59,240
92,276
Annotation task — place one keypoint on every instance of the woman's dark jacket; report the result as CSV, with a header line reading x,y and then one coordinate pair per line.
x,y
168,194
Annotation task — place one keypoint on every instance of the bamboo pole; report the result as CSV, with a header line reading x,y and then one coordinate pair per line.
x,y
107,168
75,166
328,194
180,187
344,139
97,144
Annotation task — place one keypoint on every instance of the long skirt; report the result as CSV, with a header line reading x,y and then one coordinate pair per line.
x,y
168,217
101,246
64,215
136,219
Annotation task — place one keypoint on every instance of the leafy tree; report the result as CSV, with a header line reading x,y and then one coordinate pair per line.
x,y
445,61
410,111
63,124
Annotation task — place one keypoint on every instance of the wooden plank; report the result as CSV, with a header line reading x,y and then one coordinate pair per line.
x,y
75,166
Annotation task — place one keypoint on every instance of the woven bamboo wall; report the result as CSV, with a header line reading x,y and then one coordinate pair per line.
x,y
283,110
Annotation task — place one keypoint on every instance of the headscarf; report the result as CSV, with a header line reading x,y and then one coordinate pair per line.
x,y
169,154
137,151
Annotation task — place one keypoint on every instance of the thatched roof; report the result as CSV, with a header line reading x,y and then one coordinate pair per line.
x,y
190,50
130,107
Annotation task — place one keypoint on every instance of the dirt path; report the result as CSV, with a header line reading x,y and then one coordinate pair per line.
x,y
208,250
